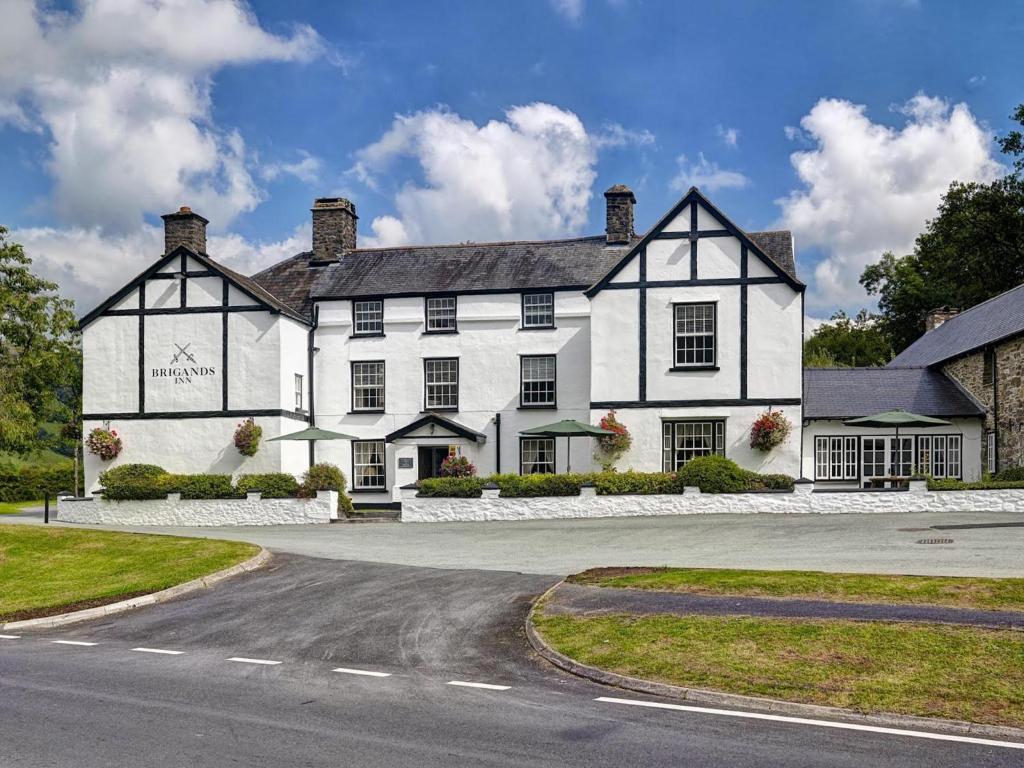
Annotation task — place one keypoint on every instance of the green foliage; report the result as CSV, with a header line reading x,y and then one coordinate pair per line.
x,y
247,437
1010,474
326,477
714,474
646,483
40,358
611,448
457,466
1013,143
950,484
847,342
775,482
124,472
198,486
452,487
520,486
32,482
273,485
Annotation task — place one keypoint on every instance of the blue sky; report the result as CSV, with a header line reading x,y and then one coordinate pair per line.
x,y
842,121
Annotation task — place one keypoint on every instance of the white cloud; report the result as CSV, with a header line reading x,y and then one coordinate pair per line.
x,y
616,135
705,174
527,176
306,169
729,136
122,91
90,265
868,188
570,9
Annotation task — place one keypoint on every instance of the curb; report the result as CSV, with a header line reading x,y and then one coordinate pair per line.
x,y
257,561
754,703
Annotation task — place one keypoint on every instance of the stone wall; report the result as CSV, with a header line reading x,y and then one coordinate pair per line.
x,y
201,512
801,501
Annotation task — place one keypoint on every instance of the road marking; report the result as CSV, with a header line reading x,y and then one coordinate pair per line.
x,y
9,637
819,723
73,642
366,672
244,660
158,650
486,686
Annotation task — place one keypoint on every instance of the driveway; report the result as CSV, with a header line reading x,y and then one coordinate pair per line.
x,y
989,545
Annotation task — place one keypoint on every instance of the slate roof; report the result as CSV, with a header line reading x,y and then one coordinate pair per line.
x,y
513,266
844,393
982,324
254,287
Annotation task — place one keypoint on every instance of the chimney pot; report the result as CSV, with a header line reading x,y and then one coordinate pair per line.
x,y
619,202
334,228
938,316
184,228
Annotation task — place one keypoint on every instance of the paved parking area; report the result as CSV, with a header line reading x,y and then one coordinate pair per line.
x,y
991,544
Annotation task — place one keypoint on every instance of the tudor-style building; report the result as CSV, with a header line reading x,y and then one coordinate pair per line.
x,y
690,331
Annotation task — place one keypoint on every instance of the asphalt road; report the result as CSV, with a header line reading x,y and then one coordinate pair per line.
x,y
112,704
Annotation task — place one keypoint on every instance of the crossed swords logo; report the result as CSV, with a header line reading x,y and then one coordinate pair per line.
x,y
183,351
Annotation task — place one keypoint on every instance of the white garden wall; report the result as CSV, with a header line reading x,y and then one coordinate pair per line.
x,y
201,512
801,501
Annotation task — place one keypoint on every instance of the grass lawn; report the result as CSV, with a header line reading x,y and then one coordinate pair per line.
x,y
51,570
958,592
934,671
10,507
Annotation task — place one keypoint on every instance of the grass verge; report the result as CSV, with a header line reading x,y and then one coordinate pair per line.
x,y
961,673
957,592
10,507
44,571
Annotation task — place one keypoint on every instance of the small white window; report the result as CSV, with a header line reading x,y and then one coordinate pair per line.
x,y
538,310
537,455
368,464
538,381
368,318
990,452
441,383
441,314
298,392
368,386
695,335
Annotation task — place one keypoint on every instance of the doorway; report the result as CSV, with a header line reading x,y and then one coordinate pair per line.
x,y
430,458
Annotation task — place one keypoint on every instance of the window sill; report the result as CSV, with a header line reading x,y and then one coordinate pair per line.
x,y
683,368
552,407
368,335
367,490
440,333
442,410
537,328
365,410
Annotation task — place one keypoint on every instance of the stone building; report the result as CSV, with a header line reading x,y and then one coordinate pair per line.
x,y
982,348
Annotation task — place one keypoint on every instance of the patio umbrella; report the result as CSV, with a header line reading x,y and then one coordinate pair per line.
x,y
569,428
896,418
312,434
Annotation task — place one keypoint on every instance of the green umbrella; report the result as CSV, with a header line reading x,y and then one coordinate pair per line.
x,y
312,434
568,428
896,418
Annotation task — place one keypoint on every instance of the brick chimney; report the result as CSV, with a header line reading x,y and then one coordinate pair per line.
x,y
937,317
184,228
619,202
334,227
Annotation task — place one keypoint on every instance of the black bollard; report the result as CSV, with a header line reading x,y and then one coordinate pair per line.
x,y
46,508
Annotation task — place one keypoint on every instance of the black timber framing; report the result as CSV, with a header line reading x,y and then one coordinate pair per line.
x,y
142,349
693,242
743,323
439,421
224,292
642,327
711,403
693,283
233,414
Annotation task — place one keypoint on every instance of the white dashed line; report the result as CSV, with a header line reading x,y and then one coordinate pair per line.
x,y
158,650
819,723
244,660
486,686
9,637
73,642
367,672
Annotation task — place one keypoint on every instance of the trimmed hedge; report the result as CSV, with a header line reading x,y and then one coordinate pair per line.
x,y
326,477
524,486
946,484
452,487
714,474
646,483
1011,474
198,486
124,472
273,485
30,482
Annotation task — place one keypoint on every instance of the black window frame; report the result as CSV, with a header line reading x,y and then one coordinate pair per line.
x,y
522,311
523,439
715,423
712,366
383,464
458,383
364,334
352,386
455,316
538,406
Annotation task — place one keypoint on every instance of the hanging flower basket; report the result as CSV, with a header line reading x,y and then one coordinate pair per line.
x,y
769,430
247,437
457,466
104,443
610,448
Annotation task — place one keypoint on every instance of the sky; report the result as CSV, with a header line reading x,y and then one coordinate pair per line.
x,y
450,121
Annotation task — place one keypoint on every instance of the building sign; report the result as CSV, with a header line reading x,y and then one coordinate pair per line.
x,y
405,462
183,367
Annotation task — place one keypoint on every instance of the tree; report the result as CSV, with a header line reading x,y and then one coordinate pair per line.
x,y
971,251
848,342
40,359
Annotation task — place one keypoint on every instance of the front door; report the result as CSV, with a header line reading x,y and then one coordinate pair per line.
x,y
430,458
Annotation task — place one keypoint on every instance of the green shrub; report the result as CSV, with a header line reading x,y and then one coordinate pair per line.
x,y
1010,474
137,488
950,484
759,482
198,486
129,472
273,485
616,483
452,487
326,477
714,474
521,486
31,482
